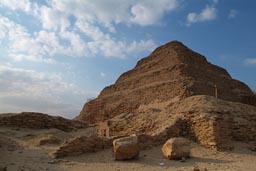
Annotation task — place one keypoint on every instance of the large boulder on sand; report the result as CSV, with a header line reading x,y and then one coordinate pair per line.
x,y
126,148
176,148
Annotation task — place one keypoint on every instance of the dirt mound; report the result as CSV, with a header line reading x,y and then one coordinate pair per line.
x,y
39,121
171,73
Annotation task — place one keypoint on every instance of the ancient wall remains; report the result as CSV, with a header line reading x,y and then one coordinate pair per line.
x,y
103,129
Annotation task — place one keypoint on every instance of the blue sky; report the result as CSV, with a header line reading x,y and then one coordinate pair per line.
x,y
56,54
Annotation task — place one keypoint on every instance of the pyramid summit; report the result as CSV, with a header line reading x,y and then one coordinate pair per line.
x,y
169,74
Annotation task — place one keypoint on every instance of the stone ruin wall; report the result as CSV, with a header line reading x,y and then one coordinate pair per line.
x,y
210,130
103,129
218,130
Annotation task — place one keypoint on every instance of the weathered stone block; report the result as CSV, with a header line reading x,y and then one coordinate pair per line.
x,y
176,148
126,148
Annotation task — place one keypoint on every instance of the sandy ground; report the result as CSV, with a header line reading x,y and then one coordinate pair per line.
x,y
19,151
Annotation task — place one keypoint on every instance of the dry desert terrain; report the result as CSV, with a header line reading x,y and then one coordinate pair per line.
x,y
21,151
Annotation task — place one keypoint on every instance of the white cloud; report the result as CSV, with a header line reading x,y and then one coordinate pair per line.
x,y
111,48
23,46
28,90
250,61
24,5
150,12
22,57
46,43
21,81
27,6
49,42
144,12
232,14
102,74
209,13
90,30
107,13
53,19
77,47
103,44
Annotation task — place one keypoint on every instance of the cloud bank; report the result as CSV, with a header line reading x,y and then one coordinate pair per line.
x,y
87,28
34,91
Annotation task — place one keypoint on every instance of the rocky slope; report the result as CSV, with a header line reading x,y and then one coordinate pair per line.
x,y
36,120
171,73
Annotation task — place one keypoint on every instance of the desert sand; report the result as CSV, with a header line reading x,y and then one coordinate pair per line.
x,y
20,151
